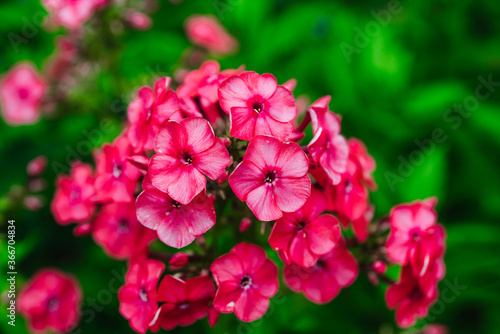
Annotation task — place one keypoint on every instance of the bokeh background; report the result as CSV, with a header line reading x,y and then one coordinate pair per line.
x,y
394,87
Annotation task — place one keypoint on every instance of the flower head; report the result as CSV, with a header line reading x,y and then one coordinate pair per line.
x,y
185,153
257,106
246,280
322,282
118,232
138,296
272,178
206,31
73,200
71,13
51,301
149,112
176,224
185,301
304,235
21,93
116,176
328,148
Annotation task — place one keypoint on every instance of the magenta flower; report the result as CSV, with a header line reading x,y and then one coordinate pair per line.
x,y
185,152
185,301
138,296
21,93
73,200
37,166
257,106
246,280
363,161
149,112
415,236
410,298
176,224
51,301
328,148
272,178
322,282
118,232
207,32
116,177
71,13
304,235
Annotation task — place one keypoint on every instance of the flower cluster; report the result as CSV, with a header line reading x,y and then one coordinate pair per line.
x,y
225,147
416,242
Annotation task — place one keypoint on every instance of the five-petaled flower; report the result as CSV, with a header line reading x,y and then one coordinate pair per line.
x,y
246,280
272,178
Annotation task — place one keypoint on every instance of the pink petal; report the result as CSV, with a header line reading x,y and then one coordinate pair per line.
x,y
322,234
212,161
171,140
175,232
263,151
262,203
262,85
290,194
252,257
172,290
251,305
227,267
200,135
200,287
282,234
282,105
164,170
292,162
268,126
226,296
300,253
265,280
245,178
233,92
242,122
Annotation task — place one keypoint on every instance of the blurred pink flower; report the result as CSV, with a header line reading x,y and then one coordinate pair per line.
x,y
21,93
138,20
207,32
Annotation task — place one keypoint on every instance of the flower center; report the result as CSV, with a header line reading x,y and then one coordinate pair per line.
x,y
348,186
186,158
23,93
415,235
123,226
143,294
320,264
176,204
257,107
74,195
301,225
416,294
245,282
184,305
117,169
270,177
53,304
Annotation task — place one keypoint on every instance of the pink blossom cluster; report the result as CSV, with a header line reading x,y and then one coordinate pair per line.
x,y
226,147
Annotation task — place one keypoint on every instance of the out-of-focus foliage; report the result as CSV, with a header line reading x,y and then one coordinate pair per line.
x,y
394,91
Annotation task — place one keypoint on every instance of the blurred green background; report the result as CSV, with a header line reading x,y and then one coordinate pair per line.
x,y
395,85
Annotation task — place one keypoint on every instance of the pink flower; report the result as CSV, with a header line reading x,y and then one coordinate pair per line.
x,y
435,329
415,237
179,259
138,296
272,178
257,106
185,152
185,301
21,93
361,224
37,166
70,13
138,20
206,31
176,224
322,282
304,235
73,199
149,112
118,232
364,162
410,299
246,280
201,85
116,177
51,301
328,148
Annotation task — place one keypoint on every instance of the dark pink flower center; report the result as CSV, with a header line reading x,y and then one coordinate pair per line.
x,y
117,169
184,305
23,93
416,294
175,204
415,235
320,264
123,226
258,107
270,177
301,225
348,186
53,304
246,282
143,294
186,158
74,195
